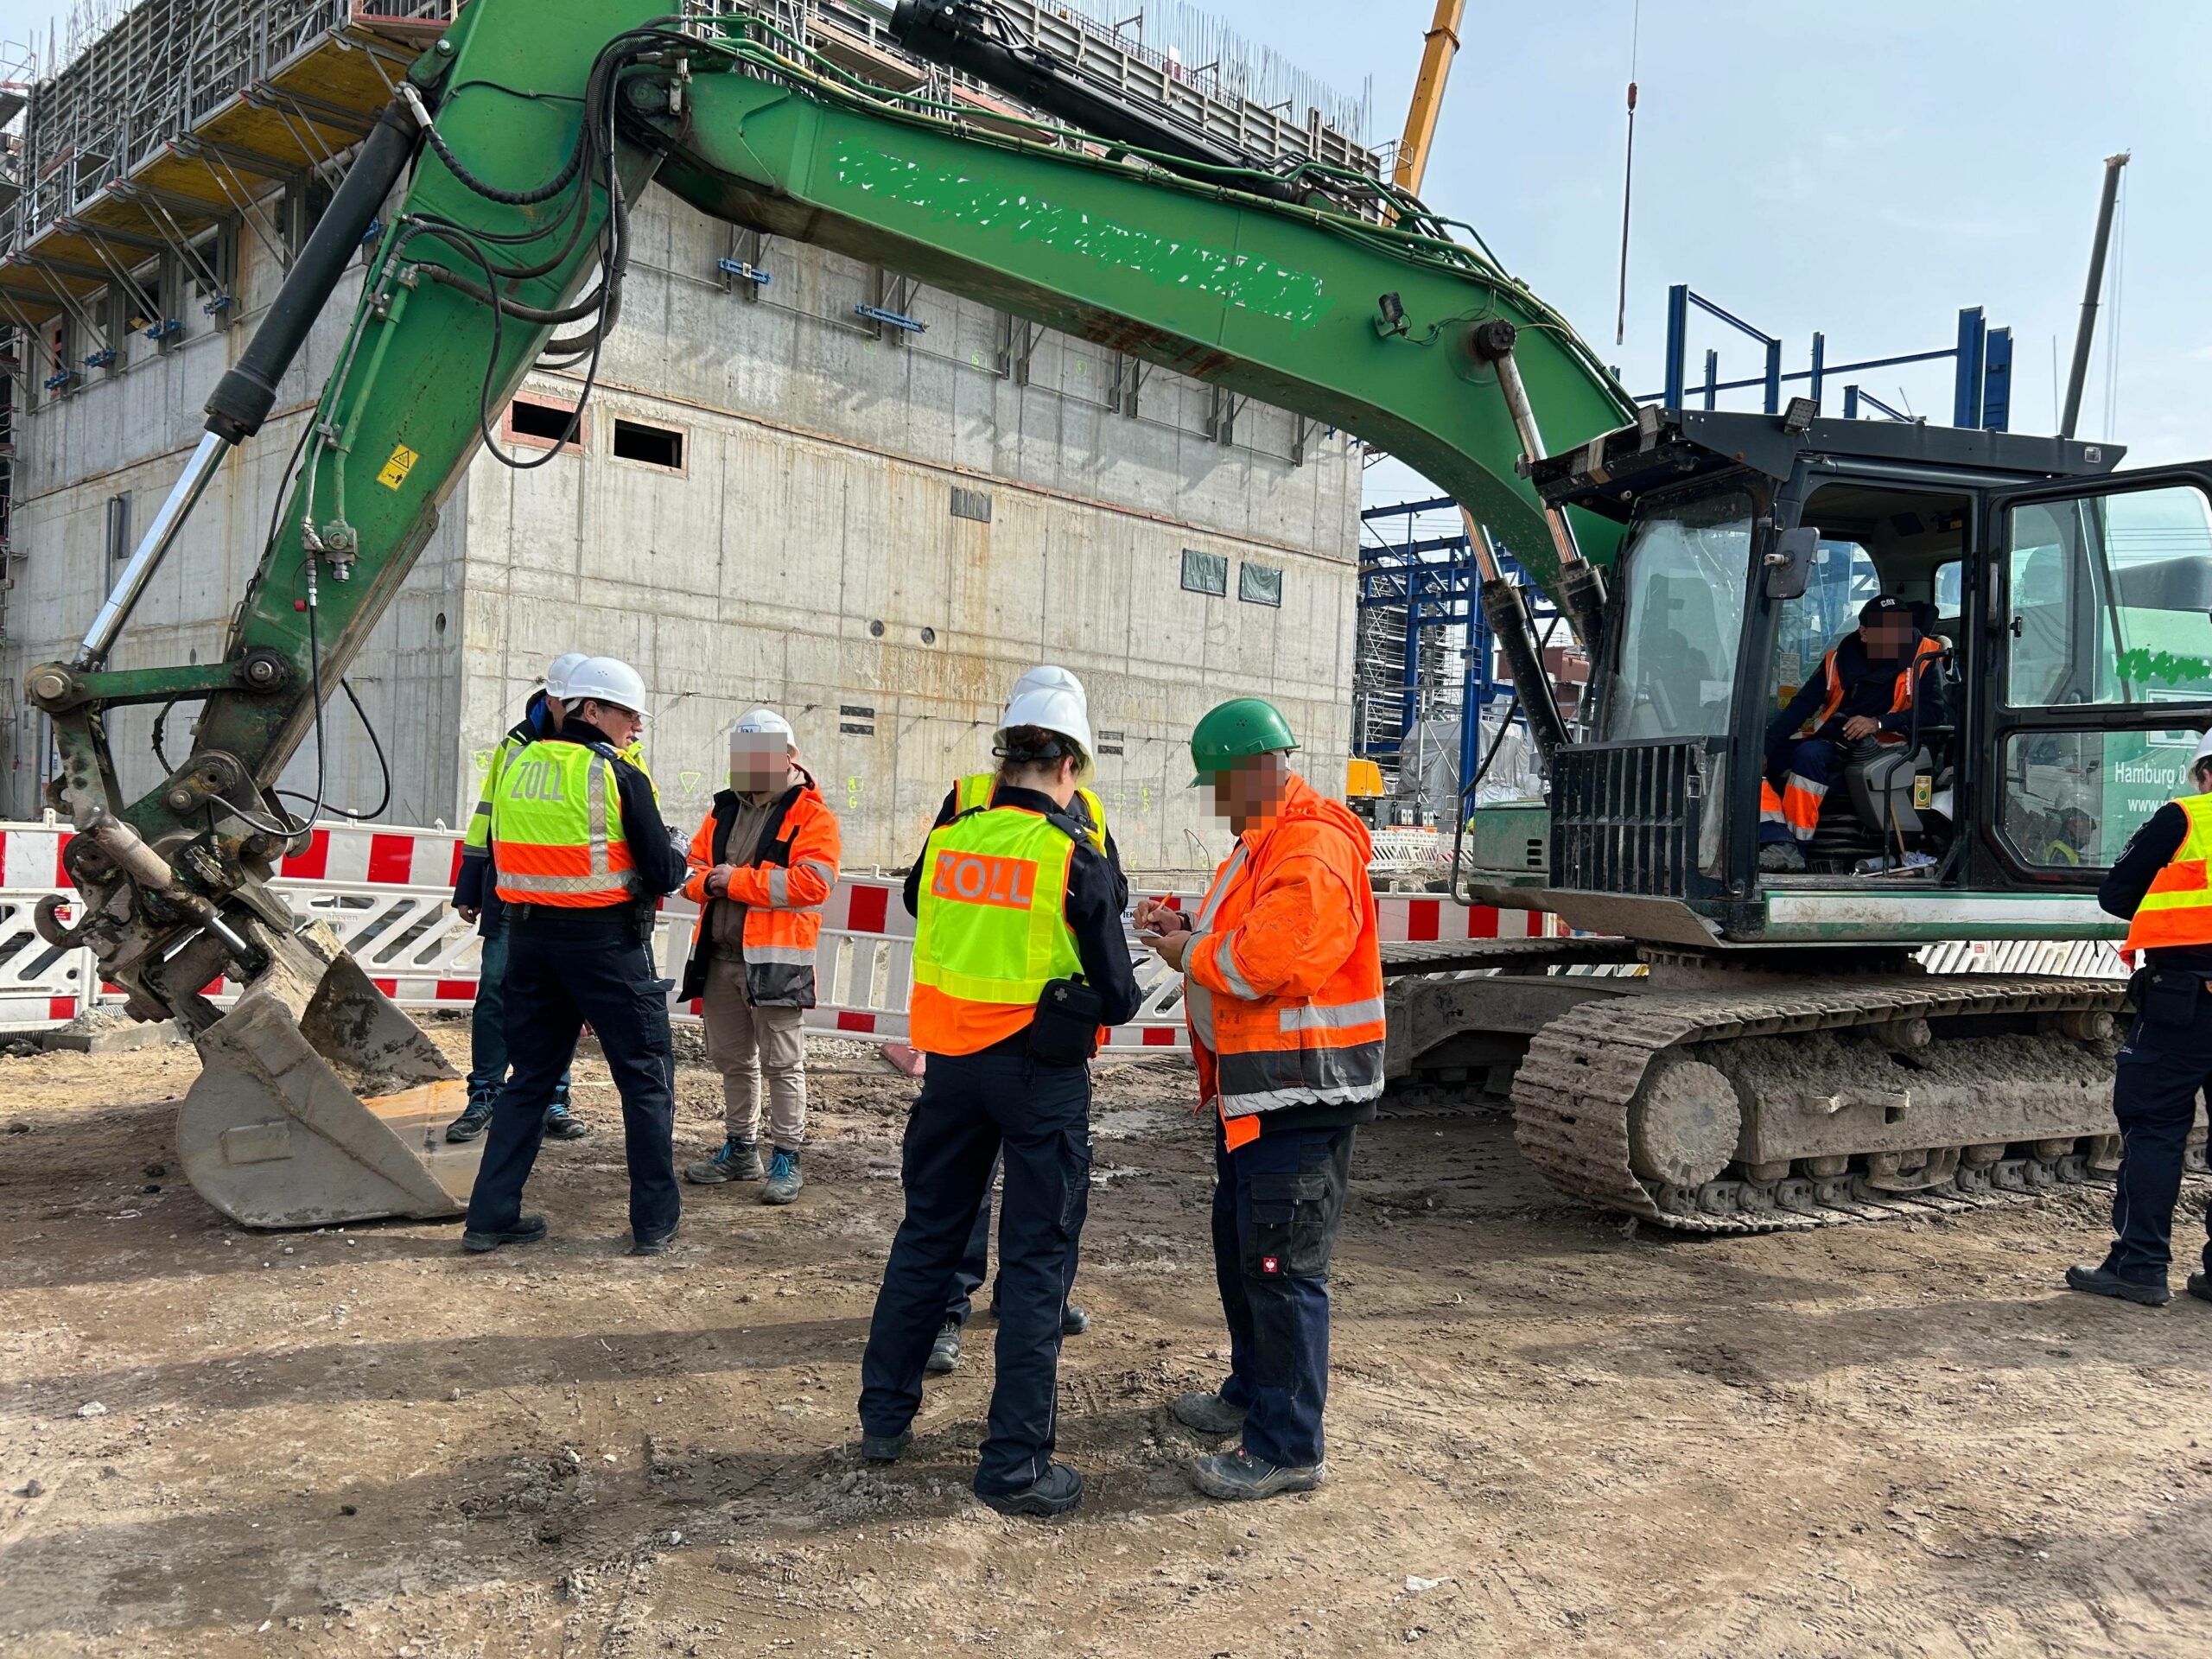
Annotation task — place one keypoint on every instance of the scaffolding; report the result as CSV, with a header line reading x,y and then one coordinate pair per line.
x,y
184,124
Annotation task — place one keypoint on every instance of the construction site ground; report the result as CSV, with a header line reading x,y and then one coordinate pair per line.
x,y
1550,1432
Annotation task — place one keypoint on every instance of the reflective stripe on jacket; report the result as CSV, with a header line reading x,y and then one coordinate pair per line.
x,y
1901,695
556,828
782,891
990,928
1283,982
2177,910
972,792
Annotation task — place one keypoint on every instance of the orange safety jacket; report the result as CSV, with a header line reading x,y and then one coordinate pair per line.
x,y
1908,684
1283,982
783,891
2177,912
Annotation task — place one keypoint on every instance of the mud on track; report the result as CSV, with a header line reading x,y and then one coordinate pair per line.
x,y
1548,1434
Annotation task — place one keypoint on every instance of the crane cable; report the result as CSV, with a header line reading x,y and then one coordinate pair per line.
x,y
1628,170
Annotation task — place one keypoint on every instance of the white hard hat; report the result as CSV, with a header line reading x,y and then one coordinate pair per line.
x,y
606,679
557,672
1051,698
2203,750
765,723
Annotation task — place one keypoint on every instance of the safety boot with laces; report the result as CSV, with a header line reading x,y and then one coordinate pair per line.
x,y
784,1178
735,1160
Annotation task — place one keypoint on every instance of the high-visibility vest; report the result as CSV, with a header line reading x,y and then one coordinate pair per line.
x,y
991,929
972,792
2178,911
1901,695
556,829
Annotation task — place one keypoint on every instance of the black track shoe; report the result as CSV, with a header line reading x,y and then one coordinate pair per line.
x,y
2097,1281
2200,1286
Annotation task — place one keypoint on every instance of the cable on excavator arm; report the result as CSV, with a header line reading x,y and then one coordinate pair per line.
x,y
531,126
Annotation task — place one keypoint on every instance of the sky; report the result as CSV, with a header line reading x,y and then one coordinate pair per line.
x,y
1865,170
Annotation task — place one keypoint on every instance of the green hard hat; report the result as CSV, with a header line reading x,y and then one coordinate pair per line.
x,y
1238,730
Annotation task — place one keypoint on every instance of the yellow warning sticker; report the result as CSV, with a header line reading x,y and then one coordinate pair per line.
x,y
396,470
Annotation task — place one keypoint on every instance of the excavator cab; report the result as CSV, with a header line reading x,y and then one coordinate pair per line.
x,y
2066,607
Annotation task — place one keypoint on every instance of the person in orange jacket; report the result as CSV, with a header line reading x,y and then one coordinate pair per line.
x,y
1283,993
763,864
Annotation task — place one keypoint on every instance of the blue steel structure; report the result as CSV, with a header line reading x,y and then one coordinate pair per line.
x,y
1981,387
1435,580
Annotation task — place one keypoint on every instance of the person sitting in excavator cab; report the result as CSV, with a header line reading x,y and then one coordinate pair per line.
x,y
1875,686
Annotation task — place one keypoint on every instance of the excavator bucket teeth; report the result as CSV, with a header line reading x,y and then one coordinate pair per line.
x,y
319,1102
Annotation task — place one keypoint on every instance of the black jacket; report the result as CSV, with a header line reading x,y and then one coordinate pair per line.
x,y
1869,687
1097,895
2148,851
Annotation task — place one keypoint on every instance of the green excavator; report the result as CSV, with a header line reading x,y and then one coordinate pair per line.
x,y
1720,1047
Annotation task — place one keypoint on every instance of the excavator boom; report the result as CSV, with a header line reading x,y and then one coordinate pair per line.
x,y
531,126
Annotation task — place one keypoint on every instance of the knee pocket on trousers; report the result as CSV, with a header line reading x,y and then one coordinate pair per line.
x,y
1075,1202
652,1016
1287,1228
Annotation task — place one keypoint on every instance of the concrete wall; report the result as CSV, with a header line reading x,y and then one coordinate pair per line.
x,y
797,558
132,431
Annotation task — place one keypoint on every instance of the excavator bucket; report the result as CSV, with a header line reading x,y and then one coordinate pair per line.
x,y
319,1102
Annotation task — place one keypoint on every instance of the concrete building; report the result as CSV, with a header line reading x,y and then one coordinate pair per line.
x,y
773,501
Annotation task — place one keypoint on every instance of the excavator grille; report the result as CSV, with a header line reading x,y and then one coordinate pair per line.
x,y
1623,818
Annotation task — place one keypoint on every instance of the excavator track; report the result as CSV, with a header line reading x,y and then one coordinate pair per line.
x,y
1575,1092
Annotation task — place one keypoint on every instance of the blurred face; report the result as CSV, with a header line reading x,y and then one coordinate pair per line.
x,y
758,762
622,725
1887,636
1250,794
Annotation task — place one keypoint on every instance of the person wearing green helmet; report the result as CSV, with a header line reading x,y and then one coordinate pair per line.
x,y
1283,993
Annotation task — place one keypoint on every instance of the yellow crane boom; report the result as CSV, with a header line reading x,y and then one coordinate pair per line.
x,y
1437,47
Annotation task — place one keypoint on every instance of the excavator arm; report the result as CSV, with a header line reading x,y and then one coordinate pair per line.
x,y
530,127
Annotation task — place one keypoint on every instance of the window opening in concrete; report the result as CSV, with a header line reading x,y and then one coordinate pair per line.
x,y
1204,573
971,503
539,422
1259,584
118,527
655,446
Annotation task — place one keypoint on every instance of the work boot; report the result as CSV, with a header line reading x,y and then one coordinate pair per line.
x,y
1781,857
1058,1490
656,1245
1209,1413
1073,1321
2102,1281
784,1178
526,1230
561,1125
944,1352
736,1161
1238,1474
473,1121
2200,1286
884,1448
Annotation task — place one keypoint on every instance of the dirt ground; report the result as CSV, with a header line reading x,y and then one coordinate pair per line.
x,y
1548,1433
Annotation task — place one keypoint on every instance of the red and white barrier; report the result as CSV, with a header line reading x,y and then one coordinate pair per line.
x,y
385,892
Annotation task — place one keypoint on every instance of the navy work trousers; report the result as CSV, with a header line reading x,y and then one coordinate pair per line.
x,y
974,1109
976,1263
1277,1204
2167,1064
564,967
487,1024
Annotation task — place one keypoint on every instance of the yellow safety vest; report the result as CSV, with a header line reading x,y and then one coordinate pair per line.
x,y
972,793
556,829
991,932
2178,911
